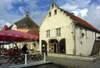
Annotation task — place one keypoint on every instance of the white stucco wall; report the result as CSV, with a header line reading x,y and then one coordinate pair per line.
x,y
85,44
60,20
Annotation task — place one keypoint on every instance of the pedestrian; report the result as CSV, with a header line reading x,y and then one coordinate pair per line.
x,y
16,48
24,49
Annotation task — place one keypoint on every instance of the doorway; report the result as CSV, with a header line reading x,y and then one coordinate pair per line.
x,y
54,46
44,46
62,46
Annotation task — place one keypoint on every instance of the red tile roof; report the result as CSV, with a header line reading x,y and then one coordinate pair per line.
x,y
23,30
80,21
34,31
5,27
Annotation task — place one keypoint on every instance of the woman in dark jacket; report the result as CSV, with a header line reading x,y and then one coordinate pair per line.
x,y
24,49
16,48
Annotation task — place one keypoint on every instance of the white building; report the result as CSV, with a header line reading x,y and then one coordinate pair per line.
x,y
62,32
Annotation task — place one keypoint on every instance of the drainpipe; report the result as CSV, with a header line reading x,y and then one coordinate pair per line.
x,y
75,36
95,35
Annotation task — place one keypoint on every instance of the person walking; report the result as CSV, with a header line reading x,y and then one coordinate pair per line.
x,y
24,49
16,48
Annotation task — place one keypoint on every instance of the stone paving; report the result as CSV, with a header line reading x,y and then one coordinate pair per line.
x,y
74,63
30,64
50,65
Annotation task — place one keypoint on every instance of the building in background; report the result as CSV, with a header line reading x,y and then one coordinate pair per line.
x,y
26,25
64,33
4,28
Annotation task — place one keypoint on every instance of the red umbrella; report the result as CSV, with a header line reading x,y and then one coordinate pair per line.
x,y
12,35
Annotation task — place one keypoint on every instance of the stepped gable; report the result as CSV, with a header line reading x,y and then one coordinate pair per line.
x,y
80,21
34,31
5,27
25,23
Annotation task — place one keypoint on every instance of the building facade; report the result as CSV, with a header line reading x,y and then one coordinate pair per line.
x,y
62,32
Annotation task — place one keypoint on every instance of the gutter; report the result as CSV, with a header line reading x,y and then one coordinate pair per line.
x,y
76,22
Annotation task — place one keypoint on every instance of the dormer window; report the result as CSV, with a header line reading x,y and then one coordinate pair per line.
x,y
52,5
55,12
49,14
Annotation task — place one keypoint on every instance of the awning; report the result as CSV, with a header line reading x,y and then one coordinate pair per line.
x,y
14,36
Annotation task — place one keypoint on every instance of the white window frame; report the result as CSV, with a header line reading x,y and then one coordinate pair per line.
x,y
47,33
58,31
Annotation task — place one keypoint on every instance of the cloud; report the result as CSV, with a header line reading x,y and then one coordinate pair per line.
x,y
81,12
6,5
79,3
93,16
98,7
69,7
38,16
84,12
31,5
75,13
16,1
21,9
3,22
8,24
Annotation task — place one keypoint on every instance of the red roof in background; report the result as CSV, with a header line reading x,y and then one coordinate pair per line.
x,y
4,28
80,21
34,31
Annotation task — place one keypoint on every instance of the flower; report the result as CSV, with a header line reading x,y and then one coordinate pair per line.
x,y
11,53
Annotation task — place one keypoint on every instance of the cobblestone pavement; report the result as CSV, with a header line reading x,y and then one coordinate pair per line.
x,y
52,65
74,63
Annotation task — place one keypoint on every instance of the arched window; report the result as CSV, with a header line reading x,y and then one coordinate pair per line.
x,y
49,14
52,5
62,46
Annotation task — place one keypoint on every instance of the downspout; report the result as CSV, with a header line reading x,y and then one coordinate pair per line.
x,y
75,36
95,35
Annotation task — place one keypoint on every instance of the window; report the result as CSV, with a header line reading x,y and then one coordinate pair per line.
x,y
48,33
52,5
55,12
49,14
58,32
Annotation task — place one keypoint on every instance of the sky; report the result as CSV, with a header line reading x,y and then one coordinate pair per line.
x,y
14,10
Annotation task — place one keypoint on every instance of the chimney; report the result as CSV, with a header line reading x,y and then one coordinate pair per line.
x,y
26,13
72,13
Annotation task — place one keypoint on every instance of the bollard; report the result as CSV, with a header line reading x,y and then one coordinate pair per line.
x,y
44,57
25,59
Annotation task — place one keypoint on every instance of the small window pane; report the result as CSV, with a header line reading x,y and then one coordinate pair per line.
x,y
48,33
52,5
55,11
58,32
49,14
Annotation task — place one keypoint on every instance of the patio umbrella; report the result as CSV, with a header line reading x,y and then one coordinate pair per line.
x,y
14,36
